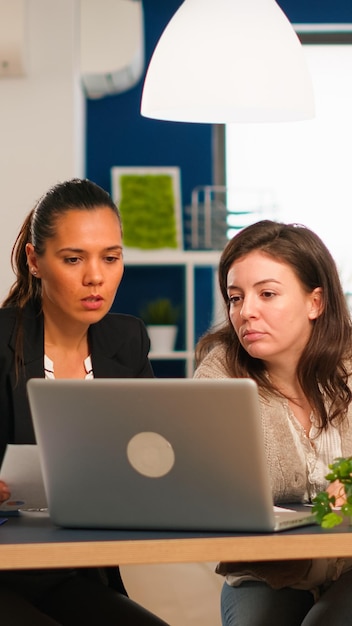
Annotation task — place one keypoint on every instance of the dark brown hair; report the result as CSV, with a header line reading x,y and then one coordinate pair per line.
x,y
322,368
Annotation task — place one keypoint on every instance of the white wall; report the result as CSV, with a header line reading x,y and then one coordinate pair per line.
x,y
41,119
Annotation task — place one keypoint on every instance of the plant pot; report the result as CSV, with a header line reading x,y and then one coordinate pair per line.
x,y
162,338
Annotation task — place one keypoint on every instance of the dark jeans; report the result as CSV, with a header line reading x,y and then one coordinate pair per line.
x,y
66,599
256,604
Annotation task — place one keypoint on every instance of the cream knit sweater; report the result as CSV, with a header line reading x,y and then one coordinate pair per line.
x,y
290,468
287,467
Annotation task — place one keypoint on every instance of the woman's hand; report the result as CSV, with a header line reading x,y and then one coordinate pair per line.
x,y
4,492
337,489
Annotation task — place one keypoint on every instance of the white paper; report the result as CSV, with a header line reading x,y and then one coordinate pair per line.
x,y
22,473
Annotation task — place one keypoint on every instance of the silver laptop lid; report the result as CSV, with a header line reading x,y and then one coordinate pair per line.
x,y
152,453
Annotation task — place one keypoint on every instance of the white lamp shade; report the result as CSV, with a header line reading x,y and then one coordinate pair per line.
x,y
225,61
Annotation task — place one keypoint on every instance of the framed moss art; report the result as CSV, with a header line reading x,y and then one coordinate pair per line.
x,y
149,200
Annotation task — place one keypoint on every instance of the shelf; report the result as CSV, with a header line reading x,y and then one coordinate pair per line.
x,y
189,260
175,355
196,258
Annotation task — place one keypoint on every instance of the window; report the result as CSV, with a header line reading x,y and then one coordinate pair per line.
x,y
305,168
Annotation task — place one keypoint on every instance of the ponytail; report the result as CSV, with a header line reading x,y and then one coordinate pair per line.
x,y
26,287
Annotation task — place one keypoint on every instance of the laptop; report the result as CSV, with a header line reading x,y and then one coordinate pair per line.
x,y
158,454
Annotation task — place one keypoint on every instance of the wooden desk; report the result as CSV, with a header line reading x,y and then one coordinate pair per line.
x,y
36,543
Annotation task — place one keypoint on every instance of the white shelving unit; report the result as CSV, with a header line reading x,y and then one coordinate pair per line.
x,y
190,260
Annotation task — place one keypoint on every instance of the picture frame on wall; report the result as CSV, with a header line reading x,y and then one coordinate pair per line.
x,y
149,200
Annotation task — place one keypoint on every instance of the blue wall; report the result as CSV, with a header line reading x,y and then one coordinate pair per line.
x,y
317,11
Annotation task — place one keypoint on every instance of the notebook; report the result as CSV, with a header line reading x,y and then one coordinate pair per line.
x,y
161,454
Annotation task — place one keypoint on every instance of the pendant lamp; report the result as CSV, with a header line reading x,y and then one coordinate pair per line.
x,y
226,61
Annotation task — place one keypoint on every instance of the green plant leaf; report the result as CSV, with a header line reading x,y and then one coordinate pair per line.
x,y
323,503
160,311
331,520
346,509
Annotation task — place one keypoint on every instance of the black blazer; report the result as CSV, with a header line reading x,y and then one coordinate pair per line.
x,y
119,347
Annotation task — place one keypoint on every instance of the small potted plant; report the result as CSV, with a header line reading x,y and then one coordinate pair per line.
x,y
160,317
323,503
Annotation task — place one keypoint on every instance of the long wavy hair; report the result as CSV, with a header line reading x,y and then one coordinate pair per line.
x,y
39,226
324,365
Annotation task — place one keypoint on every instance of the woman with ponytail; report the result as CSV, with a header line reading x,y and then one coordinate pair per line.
x,y
55,323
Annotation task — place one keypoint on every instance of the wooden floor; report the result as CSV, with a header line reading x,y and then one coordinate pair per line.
x,y
182,594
